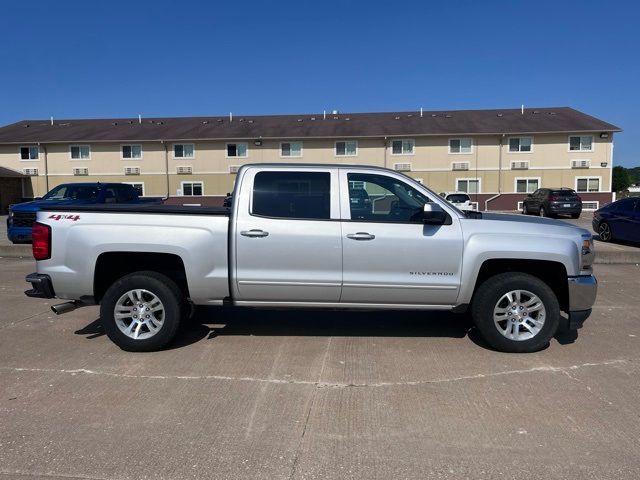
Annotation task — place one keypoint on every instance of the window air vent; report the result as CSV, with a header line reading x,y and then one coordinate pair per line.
x,y
32,172
460,166
402,167
184,170
234,168
81,172
580,163
132,171
524,165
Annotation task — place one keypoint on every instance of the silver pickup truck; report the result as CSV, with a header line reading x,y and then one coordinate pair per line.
x,y
315,236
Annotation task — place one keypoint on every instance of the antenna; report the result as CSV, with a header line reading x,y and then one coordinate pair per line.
x,y
139,118
52,120
420,111
522,109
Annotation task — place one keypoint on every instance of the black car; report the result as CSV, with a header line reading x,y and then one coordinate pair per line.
x,y
549,202
618,221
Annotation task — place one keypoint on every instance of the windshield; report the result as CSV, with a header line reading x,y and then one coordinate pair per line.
x,y
458,198
73,192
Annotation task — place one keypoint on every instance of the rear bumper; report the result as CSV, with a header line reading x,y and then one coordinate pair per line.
x,y
19,234
42,286
565,210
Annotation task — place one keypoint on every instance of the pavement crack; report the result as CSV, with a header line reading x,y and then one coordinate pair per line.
x,y
320,384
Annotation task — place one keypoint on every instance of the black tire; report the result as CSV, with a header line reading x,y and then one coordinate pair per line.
x,y
164,289
489,294
543,212
525,210
575,215
604,232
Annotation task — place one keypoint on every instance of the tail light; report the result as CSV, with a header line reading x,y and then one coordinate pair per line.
x,y
41,241
553,198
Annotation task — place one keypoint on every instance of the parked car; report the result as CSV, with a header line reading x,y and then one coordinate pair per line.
x,y
294,239
460,200
618,221
22,215
550,202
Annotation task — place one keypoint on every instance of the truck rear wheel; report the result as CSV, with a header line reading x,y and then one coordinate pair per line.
x,y
141,312
516,312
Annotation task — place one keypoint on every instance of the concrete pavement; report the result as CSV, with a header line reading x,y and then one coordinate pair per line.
x,y
305,395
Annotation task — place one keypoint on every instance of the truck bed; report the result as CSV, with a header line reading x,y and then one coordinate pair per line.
x,y
142,208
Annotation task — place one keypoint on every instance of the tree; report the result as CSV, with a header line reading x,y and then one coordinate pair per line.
x,y
621,180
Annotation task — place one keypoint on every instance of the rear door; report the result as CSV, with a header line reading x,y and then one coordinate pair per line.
x,y
624,224
288,245
389,255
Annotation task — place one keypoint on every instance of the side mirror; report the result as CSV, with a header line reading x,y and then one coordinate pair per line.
x,y
433,214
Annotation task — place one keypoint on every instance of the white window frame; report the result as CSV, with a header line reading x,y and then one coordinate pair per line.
x,y
515,183
122,157
519,137
587,178
29,147
335,149
470,152
581,150
226,149
403,154
192,182
136,183
79,145
479,180
288,156
173,151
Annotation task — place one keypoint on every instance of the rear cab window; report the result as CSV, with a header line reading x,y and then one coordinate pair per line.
x,y
293,195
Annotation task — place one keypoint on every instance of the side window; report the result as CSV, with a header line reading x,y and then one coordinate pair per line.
x,y
299,195
125,193
379,198
110,195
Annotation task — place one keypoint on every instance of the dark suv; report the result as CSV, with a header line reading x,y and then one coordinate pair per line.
x,y
549,202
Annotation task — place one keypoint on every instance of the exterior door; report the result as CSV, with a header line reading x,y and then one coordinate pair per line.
x,y
288,245
389,254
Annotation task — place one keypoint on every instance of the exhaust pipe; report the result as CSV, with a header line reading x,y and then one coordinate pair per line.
x,y
64,307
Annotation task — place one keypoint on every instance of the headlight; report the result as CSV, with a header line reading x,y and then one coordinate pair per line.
x,y
587,252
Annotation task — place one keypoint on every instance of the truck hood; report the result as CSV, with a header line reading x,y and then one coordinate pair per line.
x,y
525,222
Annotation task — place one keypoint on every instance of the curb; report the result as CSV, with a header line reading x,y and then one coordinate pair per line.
x,y
16,251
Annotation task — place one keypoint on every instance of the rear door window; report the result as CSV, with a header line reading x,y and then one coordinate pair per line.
x,y
295,195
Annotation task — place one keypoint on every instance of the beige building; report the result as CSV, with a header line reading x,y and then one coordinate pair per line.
x,y
498,156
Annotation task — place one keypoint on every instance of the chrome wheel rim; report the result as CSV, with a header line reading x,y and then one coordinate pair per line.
x,y
519,315
139,314
542,212
604,232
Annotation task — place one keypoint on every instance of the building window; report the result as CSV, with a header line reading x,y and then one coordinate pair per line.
x,y
29,153
80,152
348,148
291,149
527,185
191,189
183,150
236,150
468,185
460,145
581,144
131,151
402,147
138,186
520,144
588,184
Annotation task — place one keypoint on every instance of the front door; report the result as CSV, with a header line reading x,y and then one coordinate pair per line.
x,y
389,255
288,240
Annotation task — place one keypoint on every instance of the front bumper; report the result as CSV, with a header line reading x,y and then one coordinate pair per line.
x,y
582,295
42,286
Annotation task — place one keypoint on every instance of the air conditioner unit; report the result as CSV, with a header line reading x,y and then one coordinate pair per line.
x,y
402,167
185,170
234,168
132,171
524,165
32,172
460,166
81,171
580,163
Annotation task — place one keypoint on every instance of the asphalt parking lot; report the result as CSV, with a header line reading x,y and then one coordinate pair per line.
x,y
303,395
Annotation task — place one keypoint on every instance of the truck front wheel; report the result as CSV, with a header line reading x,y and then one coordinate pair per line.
x,y
141,312
516,312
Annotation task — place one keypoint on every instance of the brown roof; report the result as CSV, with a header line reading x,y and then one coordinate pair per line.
x,y
7,172
385,124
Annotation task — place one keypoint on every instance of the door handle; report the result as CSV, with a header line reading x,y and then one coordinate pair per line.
x,y
254,233
361,236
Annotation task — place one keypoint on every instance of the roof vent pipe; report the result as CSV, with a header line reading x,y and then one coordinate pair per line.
x,y
139,118
324,114
52,121
230,117
522,109
420,112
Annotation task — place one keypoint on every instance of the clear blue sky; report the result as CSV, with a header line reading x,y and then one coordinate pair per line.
x,y
162,58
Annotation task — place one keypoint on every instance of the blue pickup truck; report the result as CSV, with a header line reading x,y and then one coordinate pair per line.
x,y
22,215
